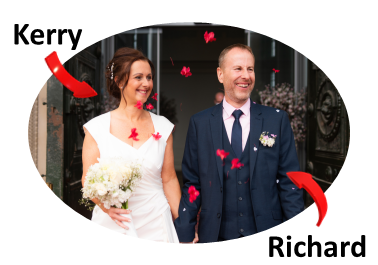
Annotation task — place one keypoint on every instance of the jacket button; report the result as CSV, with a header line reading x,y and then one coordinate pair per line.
x,y
221,189
241,230
239,182
218,215
240,168
240,214
240,198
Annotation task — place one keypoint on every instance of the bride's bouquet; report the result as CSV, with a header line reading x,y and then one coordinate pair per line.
x,y
112,182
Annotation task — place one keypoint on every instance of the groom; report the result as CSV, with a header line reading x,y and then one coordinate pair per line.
x,y
237,197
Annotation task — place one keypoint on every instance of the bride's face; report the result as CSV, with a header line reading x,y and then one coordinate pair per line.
x,y
140,82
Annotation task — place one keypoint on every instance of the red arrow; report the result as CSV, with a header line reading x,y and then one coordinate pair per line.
x,y
80,89
305,180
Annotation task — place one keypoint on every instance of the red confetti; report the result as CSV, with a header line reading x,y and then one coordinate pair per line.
x,y
149,106
275,71
223,154
235,163
193,194
209,37
139,105
246,181
210,183
186,71
157,136
221,89
155,96
134,134
172,61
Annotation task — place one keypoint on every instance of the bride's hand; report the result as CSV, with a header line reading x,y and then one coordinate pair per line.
x,y
114,213
195,240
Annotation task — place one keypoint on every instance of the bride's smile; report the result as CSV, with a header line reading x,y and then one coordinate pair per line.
x,y
140,83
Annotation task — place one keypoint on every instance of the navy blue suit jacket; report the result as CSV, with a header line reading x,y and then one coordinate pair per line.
x,y
274,197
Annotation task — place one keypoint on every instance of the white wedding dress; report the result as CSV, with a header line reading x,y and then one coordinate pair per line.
x,y
150,209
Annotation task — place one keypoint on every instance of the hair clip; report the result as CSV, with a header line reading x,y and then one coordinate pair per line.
x,y
111,71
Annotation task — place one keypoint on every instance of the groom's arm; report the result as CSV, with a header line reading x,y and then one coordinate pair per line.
x,y
185,223
291,197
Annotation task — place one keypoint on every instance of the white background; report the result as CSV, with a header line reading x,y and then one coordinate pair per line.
x,y
37,227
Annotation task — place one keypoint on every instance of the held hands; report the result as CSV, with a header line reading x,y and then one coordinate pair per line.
x,y
195,240
114,214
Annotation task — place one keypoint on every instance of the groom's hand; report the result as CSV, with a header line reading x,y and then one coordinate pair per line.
x,y
195,240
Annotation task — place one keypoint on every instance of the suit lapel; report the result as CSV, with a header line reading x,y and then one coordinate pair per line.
x,y
216,132
254,134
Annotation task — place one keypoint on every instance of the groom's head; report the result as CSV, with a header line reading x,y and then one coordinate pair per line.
x,y
237,73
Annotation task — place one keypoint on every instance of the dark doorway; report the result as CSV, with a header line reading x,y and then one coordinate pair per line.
x,y
185,46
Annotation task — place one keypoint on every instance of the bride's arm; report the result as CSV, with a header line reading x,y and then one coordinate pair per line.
x,y
171,185
89,155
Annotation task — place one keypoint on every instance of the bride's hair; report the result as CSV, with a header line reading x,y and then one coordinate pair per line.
x,y
120,67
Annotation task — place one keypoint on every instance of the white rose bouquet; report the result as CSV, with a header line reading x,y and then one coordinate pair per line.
x,y
112,182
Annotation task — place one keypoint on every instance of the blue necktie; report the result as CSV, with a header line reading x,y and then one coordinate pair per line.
x,y
236,135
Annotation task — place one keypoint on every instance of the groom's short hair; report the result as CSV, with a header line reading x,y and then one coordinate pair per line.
x,y
226,50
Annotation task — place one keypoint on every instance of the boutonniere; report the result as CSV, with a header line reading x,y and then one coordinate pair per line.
x,y
267,140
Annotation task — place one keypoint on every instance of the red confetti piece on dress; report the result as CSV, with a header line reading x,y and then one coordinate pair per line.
x,y
155,96
275,71
235,163
209,37
149,106
134,134
222,154
139,105
186,71
193,194
157,136
172,61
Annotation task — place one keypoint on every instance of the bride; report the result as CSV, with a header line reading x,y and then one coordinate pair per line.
x,y
156,200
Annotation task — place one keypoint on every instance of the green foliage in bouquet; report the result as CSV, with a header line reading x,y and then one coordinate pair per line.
x,y
87,203
283,97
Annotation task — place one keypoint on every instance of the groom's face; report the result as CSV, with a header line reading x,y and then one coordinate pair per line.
x,y
237,73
